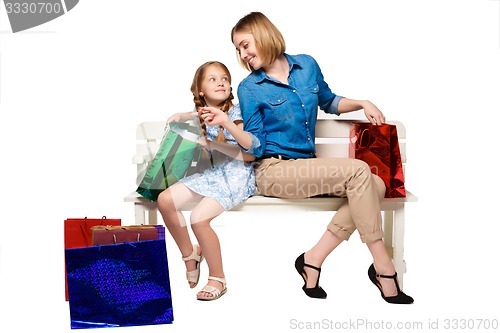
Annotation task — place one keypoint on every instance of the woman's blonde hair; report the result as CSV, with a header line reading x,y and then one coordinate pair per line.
x,y
199,101
269,41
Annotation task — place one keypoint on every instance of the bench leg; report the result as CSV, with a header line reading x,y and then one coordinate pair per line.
x,y
399,235
394,228
153,216
140,213
145,209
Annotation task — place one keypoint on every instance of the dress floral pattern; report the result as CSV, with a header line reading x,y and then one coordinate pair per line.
x,y
230,182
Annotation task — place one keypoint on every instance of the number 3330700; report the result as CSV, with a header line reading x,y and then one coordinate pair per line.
x,y
33,8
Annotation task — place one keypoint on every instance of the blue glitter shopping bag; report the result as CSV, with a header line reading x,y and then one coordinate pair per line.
x,y
117,285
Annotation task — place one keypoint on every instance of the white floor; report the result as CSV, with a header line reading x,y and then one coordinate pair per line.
x,y
264,290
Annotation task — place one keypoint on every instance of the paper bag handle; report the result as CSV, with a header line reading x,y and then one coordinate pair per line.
x,y
356,143
84,231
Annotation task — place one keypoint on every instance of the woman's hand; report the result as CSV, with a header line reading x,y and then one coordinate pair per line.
x,y
373,114
213,116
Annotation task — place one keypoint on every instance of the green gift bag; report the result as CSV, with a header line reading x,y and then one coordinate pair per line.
x,y
177,157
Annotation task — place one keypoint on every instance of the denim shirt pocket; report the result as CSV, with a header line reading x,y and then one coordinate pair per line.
x,y
313,89
280,107
313,94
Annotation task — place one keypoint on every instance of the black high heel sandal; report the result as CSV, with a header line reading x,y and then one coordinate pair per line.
x,y
400,298
316,291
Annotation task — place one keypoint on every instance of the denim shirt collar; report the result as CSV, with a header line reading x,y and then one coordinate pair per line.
x,y
260,75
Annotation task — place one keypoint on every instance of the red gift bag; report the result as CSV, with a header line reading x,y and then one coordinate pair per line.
x,y
78,233
378,146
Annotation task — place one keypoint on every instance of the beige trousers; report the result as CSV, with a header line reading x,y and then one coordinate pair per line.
x,y
340,177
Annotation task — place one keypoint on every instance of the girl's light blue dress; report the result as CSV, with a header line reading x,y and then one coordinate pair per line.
x,y
230,181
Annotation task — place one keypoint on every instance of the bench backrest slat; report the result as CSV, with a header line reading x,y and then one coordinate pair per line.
x,y
334,128
332,139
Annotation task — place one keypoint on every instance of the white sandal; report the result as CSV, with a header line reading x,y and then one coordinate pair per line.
x,y
215,292
194,275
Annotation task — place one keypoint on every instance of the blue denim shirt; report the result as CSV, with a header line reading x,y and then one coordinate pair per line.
x,y
281,118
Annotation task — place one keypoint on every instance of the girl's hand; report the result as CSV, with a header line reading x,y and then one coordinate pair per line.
x,y
373,114
213,116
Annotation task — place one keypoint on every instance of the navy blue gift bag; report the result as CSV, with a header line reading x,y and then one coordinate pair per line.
x,y
118,285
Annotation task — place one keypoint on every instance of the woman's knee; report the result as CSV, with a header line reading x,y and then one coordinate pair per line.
x,y
364,174
361,171
379,185
359,165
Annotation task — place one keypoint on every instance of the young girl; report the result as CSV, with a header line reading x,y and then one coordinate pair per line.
x,y
228,183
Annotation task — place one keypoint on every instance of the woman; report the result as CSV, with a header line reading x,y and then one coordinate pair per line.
x,y
279,101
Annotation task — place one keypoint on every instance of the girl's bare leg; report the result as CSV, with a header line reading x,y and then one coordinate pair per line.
x,y
201,217
170,203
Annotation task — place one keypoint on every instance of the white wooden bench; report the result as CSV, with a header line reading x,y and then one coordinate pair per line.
x,y
332,140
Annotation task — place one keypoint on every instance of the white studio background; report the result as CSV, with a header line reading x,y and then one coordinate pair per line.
x,y
73,90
